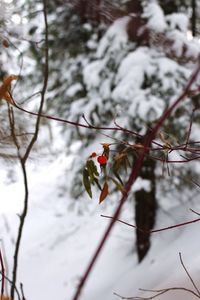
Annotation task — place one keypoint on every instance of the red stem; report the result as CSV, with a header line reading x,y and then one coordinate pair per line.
x,y
133,176
76,124
155,230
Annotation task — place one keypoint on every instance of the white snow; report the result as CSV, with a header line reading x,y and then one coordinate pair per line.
x,y
61,234
177,21
141,184
116,34
155,16
58,242
92,74
74,89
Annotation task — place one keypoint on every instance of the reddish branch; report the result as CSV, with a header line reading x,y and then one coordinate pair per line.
x,y
161,147
133,176
154,230
88,126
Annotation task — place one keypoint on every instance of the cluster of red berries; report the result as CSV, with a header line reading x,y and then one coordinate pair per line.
x,y
102,159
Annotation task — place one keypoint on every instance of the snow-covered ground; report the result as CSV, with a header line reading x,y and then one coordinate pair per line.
x,y
61,235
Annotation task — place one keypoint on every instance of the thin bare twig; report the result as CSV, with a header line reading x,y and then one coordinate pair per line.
x,y
22,291
158,293
77,124
16,290
2,274
188,274
23,158
20,231
154,230
192,210
196,183
190,128
166,290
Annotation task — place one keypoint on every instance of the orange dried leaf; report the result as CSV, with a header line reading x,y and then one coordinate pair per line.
x,y
5,89
104,193
106,146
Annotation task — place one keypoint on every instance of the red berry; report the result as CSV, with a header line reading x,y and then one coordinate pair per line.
x,y
93,154
102,160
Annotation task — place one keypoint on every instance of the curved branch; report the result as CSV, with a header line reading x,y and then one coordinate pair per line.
x,y
133,176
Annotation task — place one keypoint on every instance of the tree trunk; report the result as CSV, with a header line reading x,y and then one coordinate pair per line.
x,y
193,21
169,6
145,208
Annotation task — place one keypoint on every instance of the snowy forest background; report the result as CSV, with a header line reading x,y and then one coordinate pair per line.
x,y
116,64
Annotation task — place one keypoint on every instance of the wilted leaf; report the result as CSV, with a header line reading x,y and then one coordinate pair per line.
x,y
104,192
5,89
86,182
118,185
165,139
120,161
115,172
139,148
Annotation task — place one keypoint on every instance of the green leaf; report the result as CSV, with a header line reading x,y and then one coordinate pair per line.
x,y
97,183
86,182
92,170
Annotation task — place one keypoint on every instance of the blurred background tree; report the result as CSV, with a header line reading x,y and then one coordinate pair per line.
x,y
116,60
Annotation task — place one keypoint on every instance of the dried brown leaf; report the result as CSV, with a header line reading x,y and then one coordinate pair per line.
x,y
5,89
104,193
